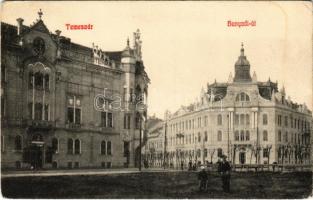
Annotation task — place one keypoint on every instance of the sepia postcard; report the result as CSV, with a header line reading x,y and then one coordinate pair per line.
x,y
156,99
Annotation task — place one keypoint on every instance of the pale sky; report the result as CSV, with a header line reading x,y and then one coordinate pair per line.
x,y
187,44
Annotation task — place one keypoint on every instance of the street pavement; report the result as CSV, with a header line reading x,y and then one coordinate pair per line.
x,y
77,172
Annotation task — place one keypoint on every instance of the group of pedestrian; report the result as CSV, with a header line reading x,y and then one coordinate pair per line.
x,y
223,169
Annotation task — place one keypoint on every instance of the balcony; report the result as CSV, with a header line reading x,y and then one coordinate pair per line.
x,y
38,124
73,126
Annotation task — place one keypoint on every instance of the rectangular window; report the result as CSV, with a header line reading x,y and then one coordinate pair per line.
x,y
264,119
109,148
103,119
127,120
265,153
236,119
38,111
74,111
125,94
70,115
131,93
77,116
286,121
205,136
242,119
110,120
30,110
126,149
46,112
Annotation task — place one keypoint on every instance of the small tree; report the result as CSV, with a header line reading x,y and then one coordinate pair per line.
x,y
211,152
268,148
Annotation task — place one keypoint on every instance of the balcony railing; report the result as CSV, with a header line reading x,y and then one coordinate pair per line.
x,y
38,124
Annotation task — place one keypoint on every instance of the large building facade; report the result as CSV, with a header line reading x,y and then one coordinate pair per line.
x,y
249,121
64,105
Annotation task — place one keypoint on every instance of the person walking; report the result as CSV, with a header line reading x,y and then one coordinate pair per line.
x,y
203,180
225,169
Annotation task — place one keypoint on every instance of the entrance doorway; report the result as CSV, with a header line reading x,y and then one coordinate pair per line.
x,y
242,157
37,151
36,156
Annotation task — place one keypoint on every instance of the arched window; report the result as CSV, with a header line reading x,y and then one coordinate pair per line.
x,y
77,146
55,145
109,148
236,135
242,135
205,136
103,148
247,135
219,136
286,137
264,119
242,97
70,146
265,136
18,143
219,120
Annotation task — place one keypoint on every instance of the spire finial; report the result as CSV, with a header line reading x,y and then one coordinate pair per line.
x,y
40,14
242,49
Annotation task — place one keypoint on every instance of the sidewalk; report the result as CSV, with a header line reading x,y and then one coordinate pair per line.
x,y
77,172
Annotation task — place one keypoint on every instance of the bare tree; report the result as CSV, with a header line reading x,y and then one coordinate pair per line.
x,y
268,148
211,152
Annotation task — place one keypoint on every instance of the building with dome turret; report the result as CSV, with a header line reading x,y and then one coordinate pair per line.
x,y
249,121
65,105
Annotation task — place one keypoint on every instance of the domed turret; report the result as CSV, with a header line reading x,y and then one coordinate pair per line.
x,y
242,68
127,52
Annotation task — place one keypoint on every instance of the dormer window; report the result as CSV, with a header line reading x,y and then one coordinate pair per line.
x,y
242,97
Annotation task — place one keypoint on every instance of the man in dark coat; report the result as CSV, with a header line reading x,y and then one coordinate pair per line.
x,y
225,169
203,179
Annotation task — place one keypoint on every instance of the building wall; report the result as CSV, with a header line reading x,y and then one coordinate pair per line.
x,y
72,72
255,108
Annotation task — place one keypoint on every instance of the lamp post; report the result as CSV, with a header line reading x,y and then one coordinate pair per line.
x,y
165,143
228,135
140,129
140,107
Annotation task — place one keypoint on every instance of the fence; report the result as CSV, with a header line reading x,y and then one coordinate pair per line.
x,y
267,167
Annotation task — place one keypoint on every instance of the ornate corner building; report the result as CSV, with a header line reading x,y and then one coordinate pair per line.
x,y
64,105
249,121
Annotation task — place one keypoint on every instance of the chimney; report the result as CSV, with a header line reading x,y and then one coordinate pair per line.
x,y
58,33
19,25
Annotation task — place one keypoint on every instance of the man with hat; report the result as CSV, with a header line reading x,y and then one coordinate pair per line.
x,y
225,172
203,179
